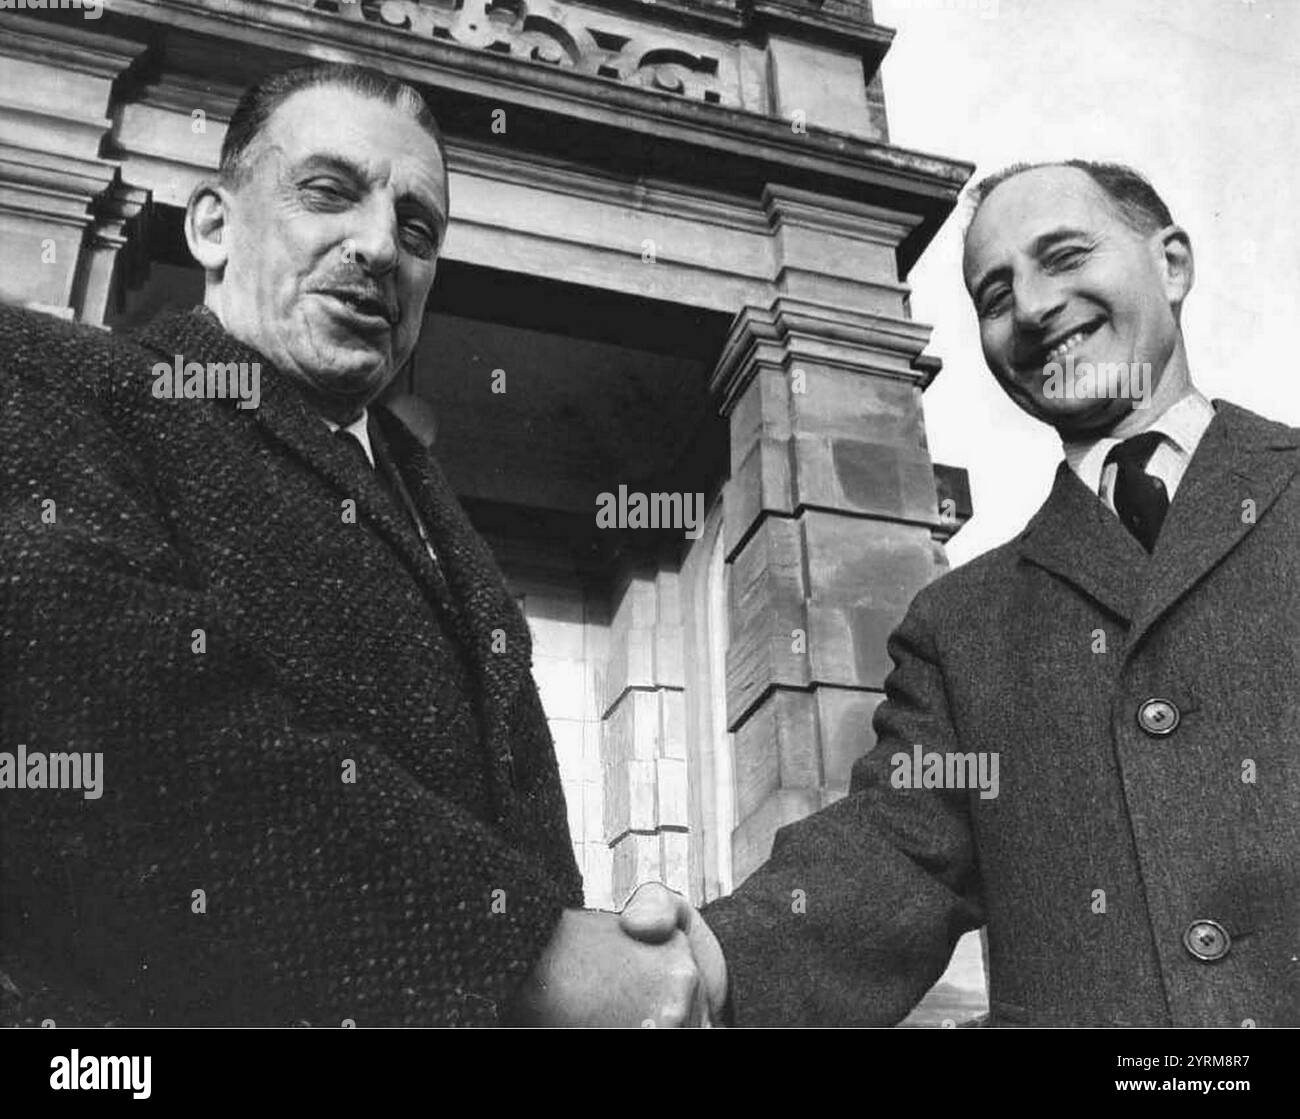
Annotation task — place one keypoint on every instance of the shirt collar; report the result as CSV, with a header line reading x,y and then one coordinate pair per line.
x,y
358,428
1182,423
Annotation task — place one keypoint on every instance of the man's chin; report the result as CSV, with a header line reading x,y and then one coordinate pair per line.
x,y
349,376
1073,418
1078,419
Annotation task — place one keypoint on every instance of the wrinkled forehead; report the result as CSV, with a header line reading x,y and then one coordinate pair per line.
x,y
1026,208
385,140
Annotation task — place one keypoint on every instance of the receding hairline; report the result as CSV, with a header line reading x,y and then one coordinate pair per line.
x,y
1126,191
235,166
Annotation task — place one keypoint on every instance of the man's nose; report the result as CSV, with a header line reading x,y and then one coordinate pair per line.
x,y
374,240
1036,299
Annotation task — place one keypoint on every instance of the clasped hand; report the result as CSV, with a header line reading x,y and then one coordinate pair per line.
x,y
656,963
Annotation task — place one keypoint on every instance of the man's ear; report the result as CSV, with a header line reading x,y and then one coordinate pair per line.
x,y
206,230
1175,248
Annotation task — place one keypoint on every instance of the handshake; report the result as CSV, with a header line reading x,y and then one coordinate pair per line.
x,y
654,964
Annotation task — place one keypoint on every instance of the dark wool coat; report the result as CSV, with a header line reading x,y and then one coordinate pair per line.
x,y
1199,823
423,890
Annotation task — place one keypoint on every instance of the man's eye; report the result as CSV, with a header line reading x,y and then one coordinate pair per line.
x,y
420,238
326,190
994,303
1066,258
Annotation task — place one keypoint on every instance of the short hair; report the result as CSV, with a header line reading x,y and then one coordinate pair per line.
x,y
1136,200
260,101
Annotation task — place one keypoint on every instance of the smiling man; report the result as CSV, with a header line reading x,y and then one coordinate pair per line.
x,y
329,794
1130,659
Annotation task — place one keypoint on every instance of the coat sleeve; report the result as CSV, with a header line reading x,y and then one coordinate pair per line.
x,y
856,913
227,873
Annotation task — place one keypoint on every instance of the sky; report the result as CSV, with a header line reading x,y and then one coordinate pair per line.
x,y
1202,96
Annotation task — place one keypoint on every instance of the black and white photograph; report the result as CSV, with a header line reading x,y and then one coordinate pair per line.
x,y
651,513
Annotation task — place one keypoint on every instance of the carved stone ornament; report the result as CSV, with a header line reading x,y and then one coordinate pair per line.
x,y
589,42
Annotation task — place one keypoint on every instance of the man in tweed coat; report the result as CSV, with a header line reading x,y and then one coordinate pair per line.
x,y
328,792
1132,659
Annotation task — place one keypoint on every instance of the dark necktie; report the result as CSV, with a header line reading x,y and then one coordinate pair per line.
x,y
353,444
1140,499
395,489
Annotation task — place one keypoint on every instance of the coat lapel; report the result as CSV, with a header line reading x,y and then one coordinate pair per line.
x,y
284,416
1241,466
487,620
483,617
1075,537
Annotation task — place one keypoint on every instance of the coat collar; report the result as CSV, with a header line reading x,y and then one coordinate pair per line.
x,y
1076,537
473,600
1240,467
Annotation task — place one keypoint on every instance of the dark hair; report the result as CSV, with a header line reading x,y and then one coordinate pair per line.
x,y
1141,208
260,101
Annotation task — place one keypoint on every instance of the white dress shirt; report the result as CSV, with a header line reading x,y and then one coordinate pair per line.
x,y
358,428
1182,424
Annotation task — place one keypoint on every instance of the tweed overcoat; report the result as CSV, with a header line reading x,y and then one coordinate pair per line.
x,y
329,789
1106,842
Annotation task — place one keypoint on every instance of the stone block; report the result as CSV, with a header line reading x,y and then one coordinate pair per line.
x,y
562,685
866,563
844,716
573,805
636,859
776,747
673,708
555,637
593,809
675,864
592,751
756,760
674,803
568,735
752,839
828,87
598,876
842,405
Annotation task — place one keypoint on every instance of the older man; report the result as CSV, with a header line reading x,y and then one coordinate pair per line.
x,y
1130,660
244,596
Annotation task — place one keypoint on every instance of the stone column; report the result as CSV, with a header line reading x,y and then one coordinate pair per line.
x,y
64,215
832,519
644,738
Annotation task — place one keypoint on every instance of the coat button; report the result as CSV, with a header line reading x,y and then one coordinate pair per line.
x,y
1207,940
1158,716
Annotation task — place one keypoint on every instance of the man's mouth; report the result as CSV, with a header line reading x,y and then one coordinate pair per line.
x,y
1061,345
365,308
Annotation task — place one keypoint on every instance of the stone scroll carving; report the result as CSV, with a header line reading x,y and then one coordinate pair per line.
x,y
586,41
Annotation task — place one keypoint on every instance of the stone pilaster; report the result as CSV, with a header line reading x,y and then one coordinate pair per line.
x,y
644,735
831,526
64,215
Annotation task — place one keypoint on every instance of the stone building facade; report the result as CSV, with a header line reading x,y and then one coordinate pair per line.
x,y
676,263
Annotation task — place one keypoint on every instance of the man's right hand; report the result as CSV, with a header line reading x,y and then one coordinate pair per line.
x,y
592,973
654,913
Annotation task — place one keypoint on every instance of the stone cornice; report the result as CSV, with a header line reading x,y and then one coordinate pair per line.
x,y
843,217
66,46
775,338
638,131
814,23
